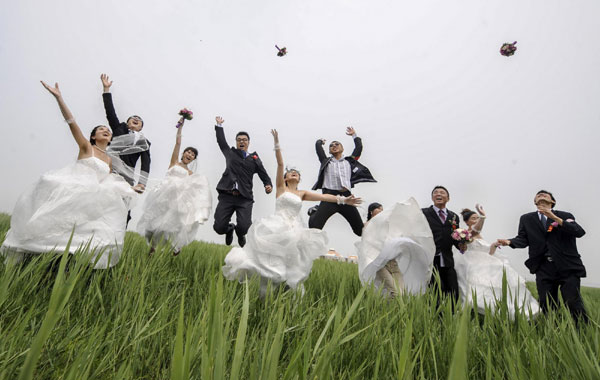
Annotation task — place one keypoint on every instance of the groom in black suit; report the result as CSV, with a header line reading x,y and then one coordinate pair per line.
x,y
133,126
235,186
442,222
553,257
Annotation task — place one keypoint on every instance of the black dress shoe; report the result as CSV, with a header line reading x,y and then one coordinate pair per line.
x,y
242,240
312,210
229,234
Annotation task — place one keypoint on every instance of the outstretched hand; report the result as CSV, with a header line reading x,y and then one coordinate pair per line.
x,y
323,141
275,136
53,90
219,120
180,122
503,242
479,209
353,201
106,82
350,131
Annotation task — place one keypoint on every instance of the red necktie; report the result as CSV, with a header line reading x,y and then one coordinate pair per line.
x,y
442,216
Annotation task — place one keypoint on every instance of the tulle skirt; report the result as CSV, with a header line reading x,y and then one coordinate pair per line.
x,y
175,209
82,199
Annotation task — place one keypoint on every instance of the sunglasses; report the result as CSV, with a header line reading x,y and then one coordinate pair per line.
x,y
334,144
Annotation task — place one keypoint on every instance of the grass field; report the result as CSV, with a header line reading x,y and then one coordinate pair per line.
x,y
165,317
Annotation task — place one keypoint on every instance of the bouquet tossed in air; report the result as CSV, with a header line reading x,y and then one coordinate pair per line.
x,y
508,49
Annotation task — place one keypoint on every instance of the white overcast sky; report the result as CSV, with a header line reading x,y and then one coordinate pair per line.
x,y
422,82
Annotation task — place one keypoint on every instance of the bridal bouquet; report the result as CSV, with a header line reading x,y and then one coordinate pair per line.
x,y
187,114
462,236
508,49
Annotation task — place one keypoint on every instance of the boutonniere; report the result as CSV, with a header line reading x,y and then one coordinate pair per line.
x,y
552,226
255,156
453,222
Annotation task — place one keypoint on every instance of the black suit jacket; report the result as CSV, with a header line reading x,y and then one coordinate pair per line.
x,y
559,243
238,169
442,234
359,172
119,129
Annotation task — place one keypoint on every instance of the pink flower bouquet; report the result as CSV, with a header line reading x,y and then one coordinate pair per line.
x,y
187,114
508,49
462,236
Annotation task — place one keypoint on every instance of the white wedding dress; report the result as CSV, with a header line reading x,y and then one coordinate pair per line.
x,y
400,233
279,248
480,272
176,208
85,196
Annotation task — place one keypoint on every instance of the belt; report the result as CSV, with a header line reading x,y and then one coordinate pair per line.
x,y
235,193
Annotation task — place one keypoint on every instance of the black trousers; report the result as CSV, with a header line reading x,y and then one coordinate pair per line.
x,y
327,209
549,281
448,279
228,204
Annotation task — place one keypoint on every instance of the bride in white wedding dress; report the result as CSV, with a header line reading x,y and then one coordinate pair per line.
x,y
175,208
480,270
83,198
279,248
396,250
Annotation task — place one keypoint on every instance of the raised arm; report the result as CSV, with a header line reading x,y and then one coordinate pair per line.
x,y
221,135
82,142
279,180
312,196
479,225
111,115
177,147
358,147
319,148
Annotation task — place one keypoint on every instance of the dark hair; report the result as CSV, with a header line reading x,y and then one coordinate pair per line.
x,y
242,133
193,150
440,187
335,141
372,207
137,117
93,141
549,193
288,171
466,214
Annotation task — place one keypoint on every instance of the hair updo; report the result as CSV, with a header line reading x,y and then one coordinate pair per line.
x,y
93,140
372,207
193,150
466,214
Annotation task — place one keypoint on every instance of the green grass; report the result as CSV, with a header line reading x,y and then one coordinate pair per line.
x,y
164,317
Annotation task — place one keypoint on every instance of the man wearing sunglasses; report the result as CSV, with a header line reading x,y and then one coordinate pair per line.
x,y
337,175
235,186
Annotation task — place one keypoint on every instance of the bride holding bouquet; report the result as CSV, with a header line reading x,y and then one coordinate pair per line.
x,y
175,208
